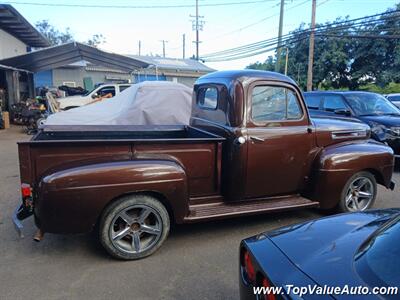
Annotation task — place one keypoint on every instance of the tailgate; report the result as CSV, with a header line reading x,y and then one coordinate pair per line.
x,y
25,163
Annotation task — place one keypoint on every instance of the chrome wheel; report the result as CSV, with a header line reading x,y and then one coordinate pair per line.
x,y
360,194
136,229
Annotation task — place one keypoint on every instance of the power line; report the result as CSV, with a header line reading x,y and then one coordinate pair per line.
x,y
362,36
136,6
257,22
291,40
319,29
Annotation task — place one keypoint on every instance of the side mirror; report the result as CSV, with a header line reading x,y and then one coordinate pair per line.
x,y
95,95
343,112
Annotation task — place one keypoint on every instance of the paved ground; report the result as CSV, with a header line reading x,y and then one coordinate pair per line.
x,y
198,261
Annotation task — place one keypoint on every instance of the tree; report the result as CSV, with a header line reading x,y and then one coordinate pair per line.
x,y
57,37
54,36
342,61
96,40
268,65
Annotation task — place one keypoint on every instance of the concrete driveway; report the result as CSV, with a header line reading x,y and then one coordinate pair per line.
x,y
198,261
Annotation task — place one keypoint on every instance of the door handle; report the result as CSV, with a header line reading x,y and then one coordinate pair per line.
x,y
257,139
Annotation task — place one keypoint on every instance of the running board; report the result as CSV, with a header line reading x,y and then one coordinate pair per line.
x,y
250,207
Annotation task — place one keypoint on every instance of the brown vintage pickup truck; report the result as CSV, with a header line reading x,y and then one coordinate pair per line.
x,y
250,148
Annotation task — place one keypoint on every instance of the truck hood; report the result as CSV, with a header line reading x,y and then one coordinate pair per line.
x,y
324,248
69,98
386,120
331,131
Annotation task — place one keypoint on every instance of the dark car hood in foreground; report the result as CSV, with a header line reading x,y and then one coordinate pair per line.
x,y
386,120
324,249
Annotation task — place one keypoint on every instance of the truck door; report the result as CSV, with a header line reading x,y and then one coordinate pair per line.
x,y
280,140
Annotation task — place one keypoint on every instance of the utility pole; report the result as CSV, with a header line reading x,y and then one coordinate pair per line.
x,y
163,46
287,60
197,25
197,30
311,50
183,45
279,47
140,47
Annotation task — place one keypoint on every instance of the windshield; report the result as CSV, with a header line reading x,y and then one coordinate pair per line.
x,y
366,104
378,260
88,93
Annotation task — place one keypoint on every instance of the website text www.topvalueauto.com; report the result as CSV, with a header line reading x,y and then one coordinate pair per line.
x,y
324,290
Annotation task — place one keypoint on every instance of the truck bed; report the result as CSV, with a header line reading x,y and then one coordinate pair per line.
x,y
117,132
54,149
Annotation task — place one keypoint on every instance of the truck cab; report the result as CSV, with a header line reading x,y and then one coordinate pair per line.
x,y
250,148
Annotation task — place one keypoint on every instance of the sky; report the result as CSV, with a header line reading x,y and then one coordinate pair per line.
x,y
226,26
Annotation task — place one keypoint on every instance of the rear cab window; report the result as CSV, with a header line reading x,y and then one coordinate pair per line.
x,y
313,101
273,103
207,98
123,87
333,102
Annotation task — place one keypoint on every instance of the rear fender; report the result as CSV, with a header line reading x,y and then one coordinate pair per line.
x,y
71,201
337,163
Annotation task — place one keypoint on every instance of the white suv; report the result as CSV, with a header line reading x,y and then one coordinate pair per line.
x,y
101,91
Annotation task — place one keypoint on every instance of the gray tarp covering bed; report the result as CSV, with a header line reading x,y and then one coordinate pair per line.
x,y
146,103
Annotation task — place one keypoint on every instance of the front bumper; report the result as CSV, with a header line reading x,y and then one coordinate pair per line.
x,y
394,143
392,185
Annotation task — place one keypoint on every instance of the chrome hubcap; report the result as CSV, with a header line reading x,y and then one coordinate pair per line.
x,y
136,229
360,194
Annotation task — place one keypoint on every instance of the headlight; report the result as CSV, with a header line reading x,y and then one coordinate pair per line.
x,y
378,129
394,131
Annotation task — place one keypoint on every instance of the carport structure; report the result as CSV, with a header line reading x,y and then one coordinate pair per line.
x,y
15,24
61,55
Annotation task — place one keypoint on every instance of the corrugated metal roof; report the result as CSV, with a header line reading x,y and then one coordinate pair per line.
x,y
174,63
62,55
4,67
12,22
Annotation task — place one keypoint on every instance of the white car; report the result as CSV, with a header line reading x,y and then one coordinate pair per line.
x,y
101,91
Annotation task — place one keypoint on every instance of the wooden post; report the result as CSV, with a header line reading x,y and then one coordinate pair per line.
x,y
311,50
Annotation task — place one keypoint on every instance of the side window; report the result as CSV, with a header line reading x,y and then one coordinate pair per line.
x,y
271,103
333,102
312,101
106,90
123,87
207,97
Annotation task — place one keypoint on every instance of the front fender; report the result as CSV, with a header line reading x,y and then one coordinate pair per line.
x,y
337,163
71,200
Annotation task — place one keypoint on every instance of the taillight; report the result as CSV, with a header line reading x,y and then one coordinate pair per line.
x,y
26,190
265,283
248,266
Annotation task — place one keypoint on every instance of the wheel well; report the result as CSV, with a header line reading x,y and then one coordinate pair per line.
x,y
160,197
378,176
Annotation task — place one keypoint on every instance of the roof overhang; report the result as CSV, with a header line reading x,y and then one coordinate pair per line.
x,y
12,22
8,68
62,55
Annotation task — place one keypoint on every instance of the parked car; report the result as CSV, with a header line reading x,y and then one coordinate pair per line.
x,y
250,148
394,98
101,91
355,250
380,114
